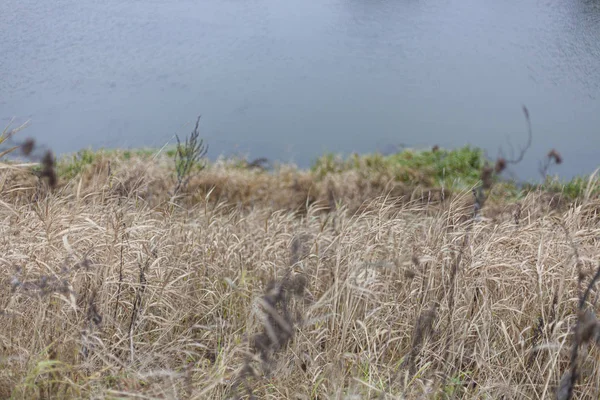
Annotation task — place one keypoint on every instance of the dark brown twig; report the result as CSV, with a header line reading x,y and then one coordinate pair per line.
x,y
529,140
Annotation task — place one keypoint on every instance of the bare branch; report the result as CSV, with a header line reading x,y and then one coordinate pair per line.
x,y
529,139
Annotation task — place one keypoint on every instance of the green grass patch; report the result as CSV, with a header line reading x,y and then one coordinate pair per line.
x,y
71,165
449,168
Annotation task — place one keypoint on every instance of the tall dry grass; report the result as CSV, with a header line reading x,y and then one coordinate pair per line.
x,y
112,289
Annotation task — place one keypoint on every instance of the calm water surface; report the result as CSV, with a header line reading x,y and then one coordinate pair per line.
x,y
290,80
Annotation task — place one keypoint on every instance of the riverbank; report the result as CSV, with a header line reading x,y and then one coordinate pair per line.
x,y
372,277
425,176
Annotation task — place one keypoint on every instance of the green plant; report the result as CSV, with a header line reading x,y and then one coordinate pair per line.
x,y
454,168
188,156
72,166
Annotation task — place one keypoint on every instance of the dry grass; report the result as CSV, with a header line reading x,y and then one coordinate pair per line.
x,y
152,180
115,289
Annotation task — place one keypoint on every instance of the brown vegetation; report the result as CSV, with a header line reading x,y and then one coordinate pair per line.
x,y
279,285
127,278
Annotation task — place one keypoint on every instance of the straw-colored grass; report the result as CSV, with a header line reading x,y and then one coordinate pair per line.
x,y
113,289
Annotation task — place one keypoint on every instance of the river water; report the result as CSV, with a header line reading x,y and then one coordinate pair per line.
x,y
290,80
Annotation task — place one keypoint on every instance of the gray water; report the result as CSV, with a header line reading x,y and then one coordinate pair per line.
x,y
290,80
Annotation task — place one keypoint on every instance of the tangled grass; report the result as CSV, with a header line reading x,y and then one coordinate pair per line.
x,y
257,285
